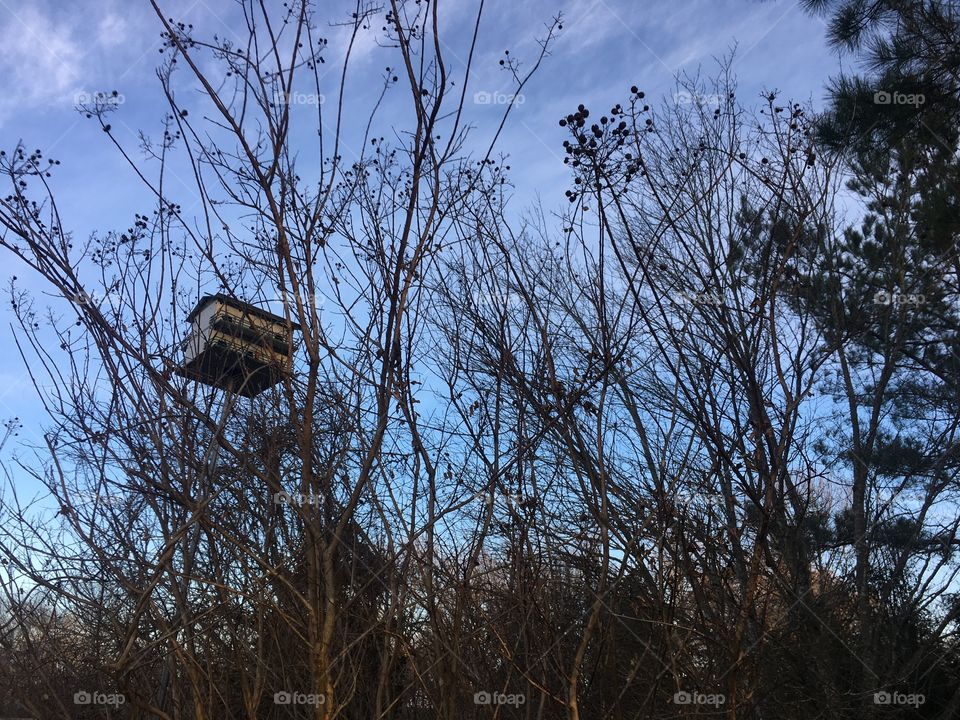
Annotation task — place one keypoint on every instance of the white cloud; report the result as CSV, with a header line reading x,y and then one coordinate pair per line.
x,y
41,59
112,30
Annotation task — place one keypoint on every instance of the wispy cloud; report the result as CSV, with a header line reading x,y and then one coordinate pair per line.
x,y
112,30
41,57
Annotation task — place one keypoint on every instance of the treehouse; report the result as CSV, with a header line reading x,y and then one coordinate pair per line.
x,y
236,346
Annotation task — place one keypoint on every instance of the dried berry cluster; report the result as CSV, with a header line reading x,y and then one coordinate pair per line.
x,y
597,153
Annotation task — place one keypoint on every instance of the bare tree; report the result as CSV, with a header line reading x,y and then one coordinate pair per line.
x,y
553,466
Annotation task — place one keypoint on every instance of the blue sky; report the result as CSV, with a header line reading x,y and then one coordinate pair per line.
x,y
54,52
